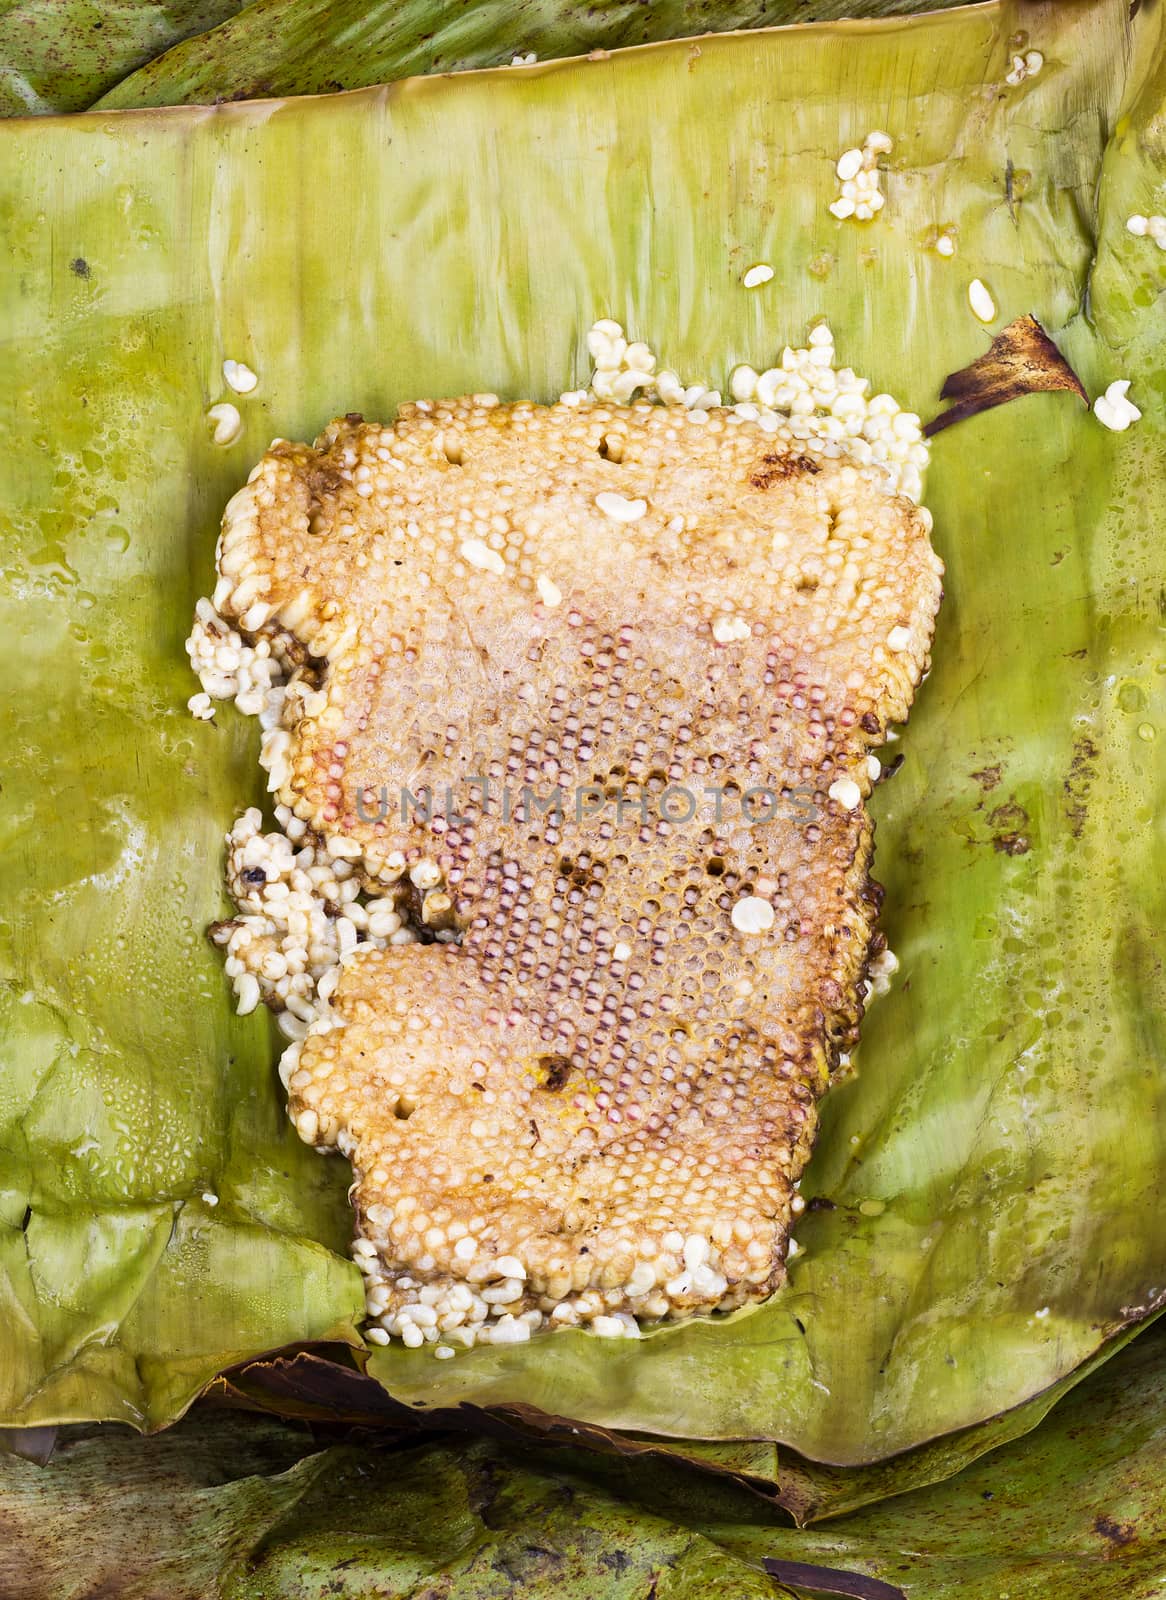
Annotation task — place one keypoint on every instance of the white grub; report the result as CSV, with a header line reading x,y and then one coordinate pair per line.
x,y
549,593
846,792
523,59
802,400
1023,67
285,945
1153,227
945,243
743,383
756,276
225,421
621,951
210,1199
626,371
880,972
752,914
730,630
247,991
1114,409
506,1331
857,171
981,301
239,377
606,343
642,1280
619,508
478,553
425,874
697,398
669,388
200,705
608,1327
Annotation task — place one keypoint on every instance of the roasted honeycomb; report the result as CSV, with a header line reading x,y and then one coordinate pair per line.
x,y
600,686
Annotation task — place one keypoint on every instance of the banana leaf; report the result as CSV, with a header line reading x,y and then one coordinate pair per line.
x,y
989,1183
231,1508
62,55
318,1388
288,47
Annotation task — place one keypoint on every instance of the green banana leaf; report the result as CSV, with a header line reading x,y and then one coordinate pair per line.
x,y
1075,1510
62,55
228,1507
994,1170
286,47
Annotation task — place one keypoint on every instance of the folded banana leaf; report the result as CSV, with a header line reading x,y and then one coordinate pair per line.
x,y
232,1508
326,1390
286,47
67,55
987,1187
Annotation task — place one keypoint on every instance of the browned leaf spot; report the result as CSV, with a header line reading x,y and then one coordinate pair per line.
x,y
1078,784
1021,360
988,777
1011,844
1008,817
1116,1532
1009,820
